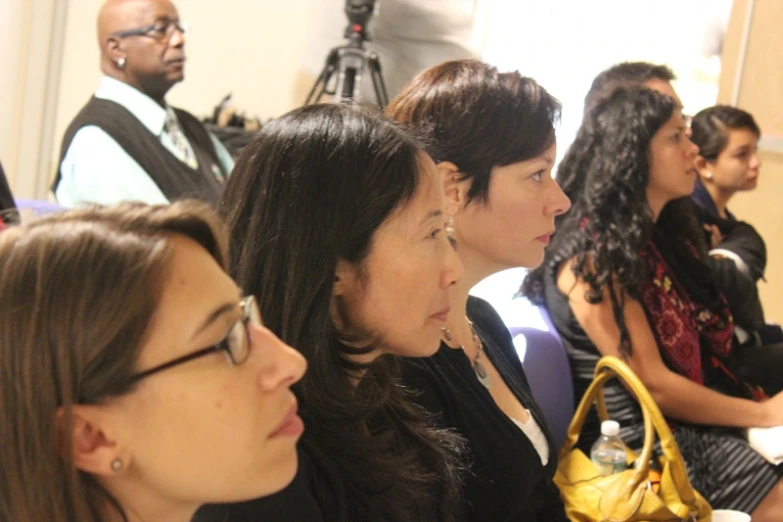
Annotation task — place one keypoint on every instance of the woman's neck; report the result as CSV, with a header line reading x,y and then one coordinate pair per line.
x,y
143,508
477,268
720,198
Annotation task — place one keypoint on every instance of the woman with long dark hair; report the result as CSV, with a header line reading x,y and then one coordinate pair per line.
x,y
337,223
492,136
135,384
625,276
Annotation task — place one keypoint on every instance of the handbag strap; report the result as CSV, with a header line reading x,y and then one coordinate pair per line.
x,y
610,368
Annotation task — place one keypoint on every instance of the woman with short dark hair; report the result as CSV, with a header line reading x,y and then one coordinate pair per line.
x,y
492,136
728,160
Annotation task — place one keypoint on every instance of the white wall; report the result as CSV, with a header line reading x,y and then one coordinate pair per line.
x,y
563,44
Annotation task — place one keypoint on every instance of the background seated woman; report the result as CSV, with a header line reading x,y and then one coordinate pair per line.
x,y
624,276
728,163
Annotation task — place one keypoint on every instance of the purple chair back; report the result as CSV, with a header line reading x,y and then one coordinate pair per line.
x,y
549,375
38,207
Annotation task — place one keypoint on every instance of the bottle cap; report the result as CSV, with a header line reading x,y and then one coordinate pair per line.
x,y
610,428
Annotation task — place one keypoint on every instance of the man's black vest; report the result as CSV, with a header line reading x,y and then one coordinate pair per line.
x,y
174,178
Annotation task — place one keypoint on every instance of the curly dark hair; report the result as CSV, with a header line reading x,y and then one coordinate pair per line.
x,y
605,173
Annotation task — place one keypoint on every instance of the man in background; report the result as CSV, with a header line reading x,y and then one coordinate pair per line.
x,y
127,143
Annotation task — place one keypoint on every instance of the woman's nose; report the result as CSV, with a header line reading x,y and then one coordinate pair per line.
x,y
281,365
558,202
453,270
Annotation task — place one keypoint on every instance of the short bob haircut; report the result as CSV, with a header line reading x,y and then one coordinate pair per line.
x,y
468,113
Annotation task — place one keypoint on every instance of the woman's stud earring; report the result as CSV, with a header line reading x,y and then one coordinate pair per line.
x,y
121,63
450,226
450,234
116,465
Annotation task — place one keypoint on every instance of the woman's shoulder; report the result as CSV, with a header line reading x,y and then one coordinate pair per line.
x,y
482,314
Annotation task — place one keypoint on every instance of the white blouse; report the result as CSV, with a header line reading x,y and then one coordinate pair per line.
x,y
536,436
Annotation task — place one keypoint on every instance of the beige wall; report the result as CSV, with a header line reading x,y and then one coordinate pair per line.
x,y
251,48
12,16
30,32
764,210
760,92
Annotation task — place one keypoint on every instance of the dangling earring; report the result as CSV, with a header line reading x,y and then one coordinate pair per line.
x,y
121,63
116,465
450,234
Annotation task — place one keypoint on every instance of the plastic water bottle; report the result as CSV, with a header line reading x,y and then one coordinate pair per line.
x,y
608,453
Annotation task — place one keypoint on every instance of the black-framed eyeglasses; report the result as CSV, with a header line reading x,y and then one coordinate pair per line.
x,y
163,29
235,346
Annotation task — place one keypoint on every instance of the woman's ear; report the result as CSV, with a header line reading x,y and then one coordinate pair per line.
x,y
454,186
344,277
94,446
703,168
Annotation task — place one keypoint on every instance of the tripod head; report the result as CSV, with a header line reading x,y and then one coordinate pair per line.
x,y
359,13
348,62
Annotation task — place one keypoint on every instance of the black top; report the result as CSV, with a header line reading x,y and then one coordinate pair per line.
x,y
295,503
738,287
506,481
8,212
174,178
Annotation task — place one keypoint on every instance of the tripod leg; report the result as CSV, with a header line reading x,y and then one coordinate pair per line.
x,y
323,79
381,94
348,77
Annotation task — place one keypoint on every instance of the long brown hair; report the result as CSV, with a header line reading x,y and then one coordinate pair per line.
x,y
77,292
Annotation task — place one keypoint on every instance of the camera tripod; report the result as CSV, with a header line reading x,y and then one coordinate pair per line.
x,y
349,62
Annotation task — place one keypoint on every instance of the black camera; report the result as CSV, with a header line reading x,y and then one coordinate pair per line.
x,y
345,66
359,13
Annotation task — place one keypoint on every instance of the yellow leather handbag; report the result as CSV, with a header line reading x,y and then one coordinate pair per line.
x,y
628,495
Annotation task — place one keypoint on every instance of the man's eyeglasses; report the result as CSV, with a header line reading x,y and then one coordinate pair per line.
x,y
161,30
235,346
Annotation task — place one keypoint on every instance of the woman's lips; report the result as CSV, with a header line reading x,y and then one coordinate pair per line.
x,y
291,425
545,238
442,315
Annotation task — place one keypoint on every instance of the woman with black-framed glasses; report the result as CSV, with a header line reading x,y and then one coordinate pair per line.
x,y
135,384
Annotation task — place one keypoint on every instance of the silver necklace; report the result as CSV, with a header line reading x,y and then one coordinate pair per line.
x,y
481,371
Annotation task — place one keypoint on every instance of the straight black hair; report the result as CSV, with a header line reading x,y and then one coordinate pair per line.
x,y
311,189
